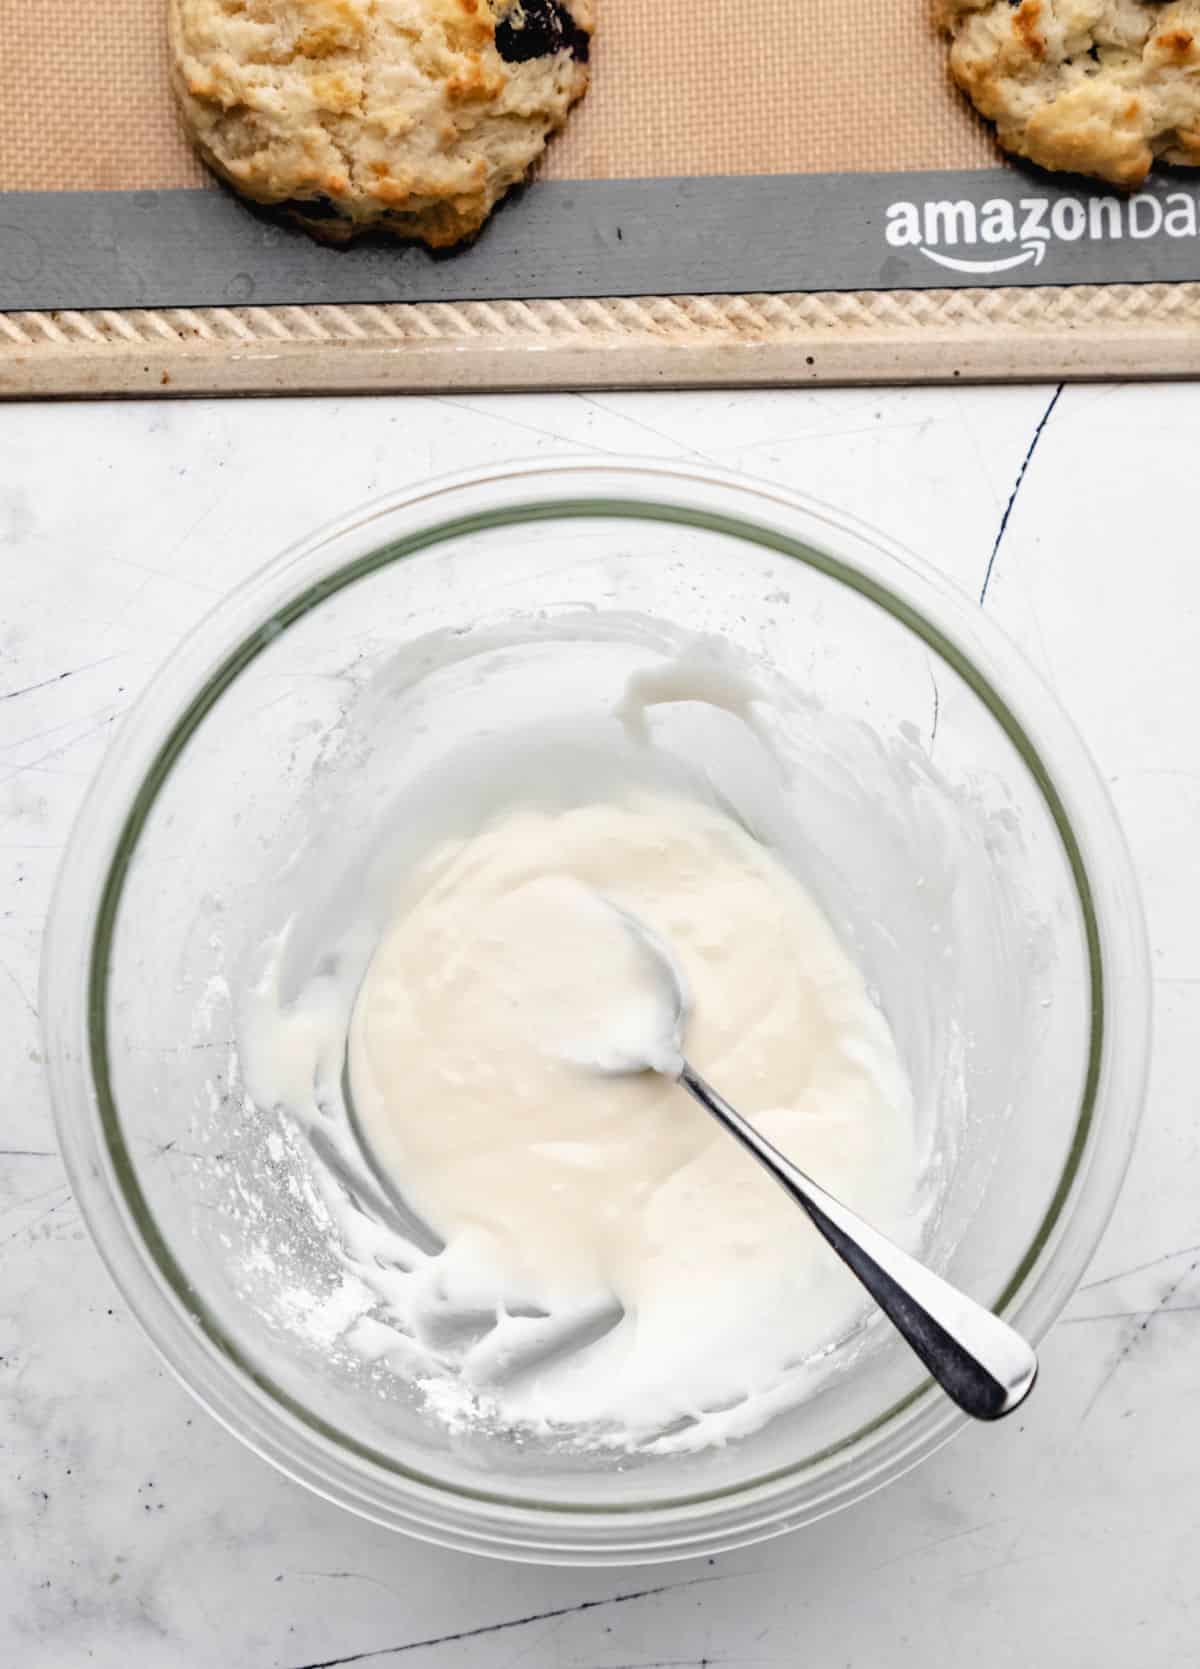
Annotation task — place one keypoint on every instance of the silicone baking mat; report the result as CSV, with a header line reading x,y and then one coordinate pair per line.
x,y
820,179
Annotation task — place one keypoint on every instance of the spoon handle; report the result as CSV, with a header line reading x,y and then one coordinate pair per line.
x,y
982,1364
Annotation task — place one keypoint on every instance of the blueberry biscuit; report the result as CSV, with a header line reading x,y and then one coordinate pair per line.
x,y
412,115
1090,86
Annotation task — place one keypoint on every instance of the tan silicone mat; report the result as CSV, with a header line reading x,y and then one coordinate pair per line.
x,y
680,87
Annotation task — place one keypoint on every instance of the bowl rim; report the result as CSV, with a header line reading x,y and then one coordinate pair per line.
x,y
139,763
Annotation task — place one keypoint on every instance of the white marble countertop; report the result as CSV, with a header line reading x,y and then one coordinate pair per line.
x,y
135,1534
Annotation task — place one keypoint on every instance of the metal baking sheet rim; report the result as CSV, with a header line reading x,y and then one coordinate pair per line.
x,y
1091,332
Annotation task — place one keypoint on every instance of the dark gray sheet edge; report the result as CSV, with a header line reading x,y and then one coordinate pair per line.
x,y
119,249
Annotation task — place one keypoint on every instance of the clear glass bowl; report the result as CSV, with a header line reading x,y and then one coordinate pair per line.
x,y
172,1166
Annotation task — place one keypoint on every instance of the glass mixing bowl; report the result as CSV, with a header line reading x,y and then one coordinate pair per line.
x,y
192,1195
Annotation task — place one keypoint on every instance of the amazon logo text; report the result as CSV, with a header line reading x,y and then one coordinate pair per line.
x,y
1015,234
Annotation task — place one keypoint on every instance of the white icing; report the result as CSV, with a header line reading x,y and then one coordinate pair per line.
x,y
581,1194
541,1246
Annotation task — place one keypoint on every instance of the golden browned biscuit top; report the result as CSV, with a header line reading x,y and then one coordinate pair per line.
x,y
417,115
1090,86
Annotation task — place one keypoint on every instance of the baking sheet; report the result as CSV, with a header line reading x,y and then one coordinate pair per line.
x,y
736,147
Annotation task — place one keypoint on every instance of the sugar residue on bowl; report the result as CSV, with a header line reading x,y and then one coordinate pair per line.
x,y
528,1246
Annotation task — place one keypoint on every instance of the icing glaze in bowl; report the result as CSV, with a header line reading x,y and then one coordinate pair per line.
x,y
198,1201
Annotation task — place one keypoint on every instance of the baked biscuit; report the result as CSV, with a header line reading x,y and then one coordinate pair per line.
x,y
1091,86
413,115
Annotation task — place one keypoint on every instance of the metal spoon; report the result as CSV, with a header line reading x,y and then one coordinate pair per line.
x,y
981,1363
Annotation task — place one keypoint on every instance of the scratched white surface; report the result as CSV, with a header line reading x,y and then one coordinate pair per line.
x,y
134,1534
